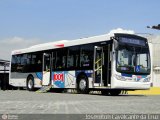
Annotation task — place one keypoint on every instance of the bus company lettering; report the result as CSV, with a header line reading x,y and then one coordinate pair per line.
x,y
58,77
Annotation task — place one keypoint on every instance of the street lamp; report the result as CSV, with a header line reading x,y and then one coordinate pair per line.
x,y
157,27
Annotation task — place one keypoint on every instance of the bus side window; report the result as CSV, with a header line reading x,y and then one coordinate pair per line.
x,y
36,62
23,60
61,59
70,61
86,56
59,63
14,63
73,57
28,59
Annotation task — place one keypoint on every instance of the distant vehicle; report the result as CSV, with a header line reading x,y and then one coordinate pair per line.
x,y
109,63
4,74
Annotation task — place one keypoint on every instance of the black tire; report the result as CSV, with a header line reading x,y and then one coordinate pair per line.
x,y
82,85
30,83
114,92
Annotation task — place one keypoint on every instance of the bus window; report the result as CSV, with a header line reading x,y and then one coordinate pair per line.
x,y
36,62
73,57
14,63
70,61
24,59
61,59
28,59
86,56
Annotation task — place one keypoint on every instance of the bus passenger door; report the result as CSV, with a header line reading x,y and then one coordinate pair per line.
x,y
107,65
98,64
46,79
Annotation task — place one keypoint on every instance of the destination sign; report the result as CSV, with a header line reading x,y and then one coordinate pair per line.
x,y
132,41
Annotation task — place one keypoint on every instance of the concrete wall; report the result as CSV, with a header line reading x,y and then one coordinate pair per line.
x,y
155,58
156,78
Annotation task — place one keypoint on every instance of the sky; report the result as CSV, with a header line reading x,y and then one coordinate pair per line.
x,y
28,22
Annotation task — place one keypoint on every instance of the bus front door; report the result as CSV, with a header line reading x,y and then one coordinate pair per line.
x,y
102,66
98,63
46,79
106,65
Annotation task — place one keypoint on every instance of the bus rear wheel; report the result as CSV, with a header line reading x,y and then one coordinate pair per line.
x,y
30,83
82,85
114,92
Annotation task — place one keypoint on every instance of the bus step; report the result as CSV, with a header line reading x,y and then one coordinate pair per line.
x,y
44,89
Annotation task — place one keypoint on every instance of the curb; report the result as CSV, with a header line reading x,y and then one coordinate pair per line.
x,y
151,91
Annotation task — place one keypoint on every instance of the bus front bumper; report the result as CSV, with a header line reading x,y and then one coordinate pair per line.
x,y
117,84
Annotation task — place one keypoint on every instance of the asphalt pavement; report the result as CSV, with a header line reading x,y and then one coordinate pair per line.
x,y
25,102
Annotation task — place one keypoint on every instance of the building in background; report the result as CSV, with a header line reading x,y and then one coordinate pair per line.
x,y
155,56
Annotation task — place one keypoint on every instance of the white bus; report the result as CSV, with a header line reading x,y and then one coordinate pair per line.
x,y
108,63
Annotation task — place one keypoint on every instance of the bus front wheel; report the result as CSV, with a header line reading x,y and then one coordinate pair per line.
x,y
82,85
30,83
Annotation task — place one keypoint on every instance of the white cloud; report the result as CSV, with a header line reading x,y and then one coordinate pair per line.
x,y
9,44
120,30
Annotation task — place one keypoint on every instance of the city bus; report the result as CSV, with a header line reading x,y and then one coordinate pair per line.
x,y
106,63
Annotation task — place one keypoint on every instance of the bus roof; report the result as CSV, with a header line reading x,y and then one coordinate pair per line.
x,y
63,43
66,43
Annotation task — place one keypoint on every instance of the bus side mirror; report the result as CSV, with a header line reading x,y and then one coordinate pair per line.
x,y
116,45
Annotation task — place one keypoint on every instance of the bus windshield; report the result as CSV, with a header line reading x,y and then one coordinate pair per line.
x,y
133,59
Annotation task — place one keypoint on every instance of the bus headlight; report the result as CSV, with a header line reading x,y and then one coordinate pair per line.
x,y
147,79
119,77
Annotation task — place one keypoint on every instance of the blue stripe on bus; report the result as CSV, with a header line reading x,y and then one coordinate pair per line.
x,y
39,75
87,72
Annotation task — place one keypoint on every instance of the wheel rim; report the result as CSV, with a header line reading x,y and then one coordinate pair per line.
x,y
82,84
30,84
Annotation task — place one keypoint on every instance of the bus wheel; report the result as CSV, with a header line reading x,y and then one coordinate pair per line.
x,y
30,83
82,86
114,92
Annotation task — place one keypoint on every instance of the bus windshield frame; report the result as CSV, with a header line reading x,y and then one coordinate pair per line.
x,y
133,57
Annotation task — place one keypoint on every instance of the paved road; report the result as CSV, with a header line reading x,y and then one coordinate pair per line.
x,y
24,102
